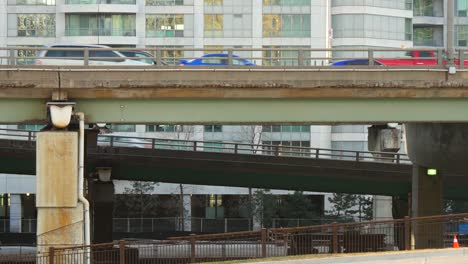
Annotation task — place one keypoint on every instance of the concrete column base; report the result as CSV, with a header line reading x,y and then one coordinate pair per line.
x,y
59,215
427,200
15,213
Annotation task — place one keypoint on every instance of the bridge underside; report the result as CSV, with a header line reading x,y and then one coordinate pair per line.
x,y
320,175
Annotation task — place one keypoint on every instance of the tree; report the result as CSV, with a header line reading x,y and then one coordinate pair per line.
x,y
343,205
265,207
365,209
252,135
138,200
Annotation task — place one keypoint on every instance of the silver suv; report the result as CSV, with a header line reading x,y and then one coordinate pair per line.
x,y
76,57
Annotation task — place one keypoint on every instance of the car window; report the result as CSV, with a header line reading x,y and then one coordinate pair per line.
x,y
74,53
55,53
238,62
357,62
212,61
103,53
143,55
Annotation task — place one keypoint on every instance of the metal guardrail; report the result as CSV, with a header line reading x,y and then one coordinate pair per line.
x,y
375,236
230,148
271,57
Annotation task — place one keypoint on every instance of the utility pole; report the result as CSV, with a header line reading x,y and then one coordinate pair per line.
x,y
450,32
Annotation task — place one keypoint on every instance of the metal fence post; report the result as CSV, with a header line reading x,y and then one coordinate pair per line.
x,y
230,57
398,158
225,225
128,225
193,256
407,233
194,146
440,57
264,241
357,156
86,56
300,57
51,255
12,58
317,151
370,57
236,147
461,58
335,238
122,251
158,56
153,143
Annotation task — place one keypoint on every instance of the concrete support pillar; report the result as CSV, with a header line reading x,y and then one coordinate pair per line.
x,y
427,200
15,213
59,215
187,201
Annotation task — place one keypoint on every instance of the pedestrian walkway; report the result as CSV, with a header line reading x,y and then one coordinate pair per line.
x,y
441,256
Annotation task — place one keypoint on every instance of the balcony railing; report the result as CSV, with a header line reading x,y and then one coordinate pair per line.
x,y
73,32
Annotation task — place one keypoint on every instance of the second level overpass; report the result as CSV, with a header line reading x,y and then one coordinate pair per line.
x,y
237,165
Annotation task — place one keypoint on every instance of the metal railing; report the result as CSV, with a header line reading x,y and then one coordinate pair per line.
x,y
377,58
229,147
251,149
191,224
376,236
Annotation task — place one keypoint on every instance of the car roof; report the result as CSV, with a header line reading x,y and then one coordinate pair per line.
x,y
341,62
76,45
218,55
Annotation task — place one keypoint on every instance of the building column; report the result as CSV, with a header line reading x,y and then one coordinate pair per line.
x,y
427,200
187,202
15,213
59,215
103,210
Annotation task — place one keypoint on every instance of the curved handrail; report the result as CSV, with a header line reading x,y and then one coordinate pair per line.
x,y
230,147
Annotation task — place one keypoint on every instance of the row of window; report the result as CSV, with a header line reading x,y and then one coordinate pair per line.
x,y
159,2
206,128
168,25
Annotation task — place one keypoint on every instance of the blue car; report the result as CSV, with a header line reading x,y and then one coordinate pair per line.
x,y
350,62
216,59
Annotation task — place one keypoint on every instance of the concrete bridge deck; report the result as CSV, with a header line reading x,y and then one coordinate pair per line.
x,y
247,95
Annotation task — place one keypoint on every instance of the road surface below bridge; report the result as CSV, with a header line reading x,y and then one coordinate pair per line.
x,y
440,256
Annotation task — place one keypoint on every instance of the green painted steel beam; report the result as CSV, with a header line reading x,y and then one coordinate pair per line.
x,y
225,111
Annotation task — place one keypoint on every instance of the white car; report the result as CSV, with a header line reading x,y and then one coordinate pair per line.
x,y
76,57
121,141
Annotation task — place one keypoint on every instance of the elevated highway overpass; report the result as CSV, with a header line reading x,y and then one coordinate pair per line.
x,y
432,102
246,95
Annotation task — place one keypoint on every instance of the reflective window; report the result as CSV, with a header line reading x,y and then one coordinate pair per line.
x,y
286,2
32,2
99,25
213,2
214,25
122,128
286,25
170,25
31,25
285,128
164,2
163,128
213,128
371,26
461,7
394,4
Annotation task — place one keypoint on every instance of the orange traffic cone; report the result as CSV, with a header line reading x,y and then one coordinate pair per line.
x,y
455,242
